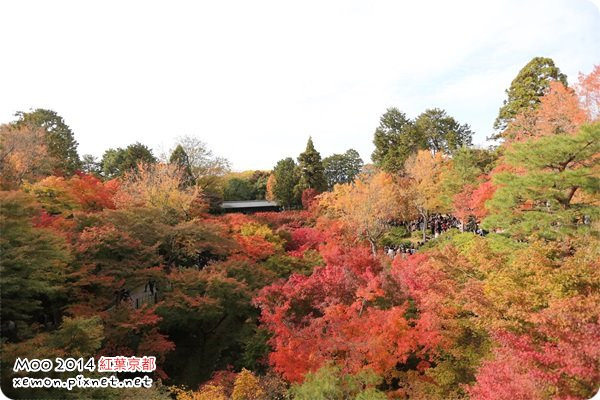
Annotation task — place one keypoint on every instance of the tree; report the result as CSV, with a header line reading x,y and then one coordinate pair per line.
x,y
217,309
287,177
269,194
342,168
552,188
474,294
79,337
439,132
259,182
470,202
90,165
559,112
467,167
395,140
117,162
309,197
204,165
159,186
425,171
588,90
239,189
60,139
342,311
58,195
180,158
247,387
525,90
311,169
33,266
207,169
111,256
23,155
329,383
368,205
76,337
112,162
552,356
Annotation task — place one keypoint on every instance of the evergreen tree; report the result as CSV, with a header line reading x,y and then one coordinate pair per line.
x,y
311,169
439,132
342,168
239,189
259,182
90,165
59,138
287,178
394,141
116,162
32,267
554,189
526,89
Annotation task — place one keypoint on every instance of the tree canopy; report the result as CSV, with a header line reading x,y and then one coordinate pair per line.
x,y
395,140
342,168
60,140
525,91
439,132
287,178
117,162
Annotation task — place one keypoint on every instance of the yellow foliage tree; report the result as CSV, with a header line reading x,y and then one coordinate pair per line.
x,y
159,186
207,392
247,387
368,205
270,185
425,172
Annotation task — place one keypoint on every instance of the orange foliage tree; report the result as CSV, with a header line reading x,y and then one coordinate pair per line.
x,y
471,200
588,89
81,191
562,110
23,155
337,313
559,112
368,205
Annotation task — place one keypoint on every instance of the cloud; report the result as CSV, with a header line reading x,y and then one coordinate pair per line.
x,y
255,79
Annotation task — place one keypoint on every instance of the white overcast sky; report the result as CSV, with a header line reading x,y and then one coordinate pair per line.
x,y
254,79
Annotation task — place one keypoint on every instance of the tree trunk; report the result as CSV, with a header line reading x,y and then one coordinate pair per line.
x,y
373,247
424,225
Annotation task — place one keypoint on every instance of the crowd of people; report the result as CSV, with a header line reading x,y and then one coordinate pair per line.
x,y
436,225
441,223
404,248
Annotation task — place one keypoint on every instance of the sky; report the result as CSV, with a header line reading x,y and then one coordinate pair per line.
x,y
254,79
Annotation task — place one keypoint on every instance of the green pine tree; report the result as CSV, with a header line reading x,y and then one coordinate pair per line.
x,y
311,169
558,191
